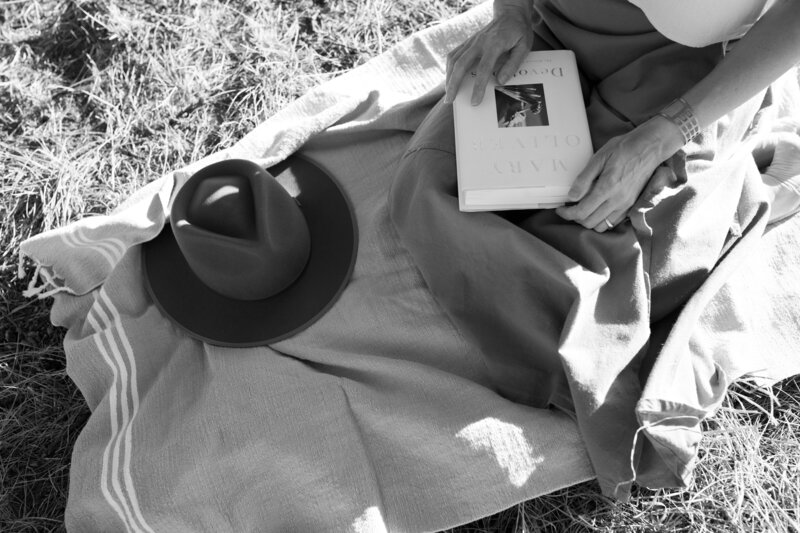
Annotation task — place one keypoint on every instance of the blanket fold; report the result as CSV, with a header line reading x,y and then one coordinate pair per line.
x,y
382,416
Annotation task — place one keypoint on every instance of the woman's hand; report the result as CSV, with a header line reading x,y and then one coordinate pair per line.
x,y
499,47
617,173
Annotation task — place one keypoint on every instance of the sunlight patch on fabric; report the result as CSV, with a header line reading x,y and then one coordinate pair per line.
x,y
370,521
507,444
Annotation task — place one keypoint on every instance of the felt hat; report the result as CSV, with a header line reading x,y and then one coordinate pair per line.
x,y
252,256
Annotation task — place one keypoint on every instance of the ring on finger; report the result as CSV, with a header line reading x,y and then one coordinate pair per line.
x,y
609,224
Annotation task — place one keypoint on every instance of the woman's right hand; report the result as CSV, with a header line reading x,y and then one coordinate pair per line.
x,y
499,47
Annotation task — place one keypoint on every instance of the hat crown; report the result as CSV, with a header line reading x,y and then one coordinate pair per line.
x,y
240,231
224,205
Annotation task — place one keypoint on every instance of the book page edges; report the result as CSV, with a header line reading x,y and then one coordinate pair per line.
x,y
513,198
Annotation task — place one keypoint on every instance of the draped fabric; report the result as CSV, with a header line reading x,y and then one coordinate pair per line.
x,y
577,320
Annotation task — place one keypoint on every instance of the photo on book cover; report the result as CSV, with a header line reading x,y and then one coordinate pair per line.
x,y
520,105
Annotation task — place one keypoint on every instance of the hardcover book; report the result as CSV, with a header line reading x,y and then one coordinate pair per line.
x,y
526,142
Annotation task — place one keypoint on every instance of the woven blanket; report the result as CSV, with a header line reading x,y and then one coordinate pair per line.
x,y
381,416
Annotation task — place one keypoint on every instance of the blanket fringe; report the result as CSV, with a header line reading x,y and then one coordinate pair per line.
x,y
47,283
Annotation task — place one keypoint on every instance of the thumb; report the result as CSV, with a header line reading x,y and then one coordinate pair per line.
x,y
662,178
583,182
513,62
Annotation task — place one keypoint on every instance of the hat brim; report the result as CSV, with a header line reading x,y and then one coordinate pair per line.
x,y
217,319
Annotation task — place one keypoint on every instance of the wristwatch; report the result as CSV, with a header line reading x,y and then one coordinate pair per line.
x,y
681,114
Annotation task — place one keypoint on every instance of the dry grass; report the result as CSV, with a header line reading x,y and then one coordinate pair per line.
x,y
99,97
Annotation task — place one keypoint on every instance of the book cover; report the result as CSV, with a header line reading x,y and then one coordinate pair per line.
x,y
524,144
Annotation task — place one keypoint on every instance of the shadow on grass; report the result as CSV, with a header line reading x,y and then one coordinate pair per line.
x,y
76,42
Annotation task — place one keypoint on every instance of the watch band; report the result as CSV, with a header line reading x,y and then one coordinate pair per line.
x,y
681,114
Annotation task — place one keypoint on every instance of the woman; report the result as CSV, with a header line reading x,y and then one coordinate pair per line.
x,y
613,179
599,324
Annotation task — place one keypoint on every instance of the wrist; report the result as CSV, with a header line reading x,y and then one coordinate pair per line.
x,y
667,135
521,7
680,113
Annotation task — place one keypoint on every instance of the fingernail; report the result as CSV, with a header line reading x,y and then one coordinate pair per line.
x,y
502,78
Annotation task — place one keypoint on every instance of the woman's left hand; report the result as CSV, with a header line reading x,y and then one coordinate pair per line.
x,y
617,173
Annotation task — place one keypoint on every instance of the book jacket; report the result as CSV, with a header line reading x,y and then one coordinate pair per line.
x,y
524,144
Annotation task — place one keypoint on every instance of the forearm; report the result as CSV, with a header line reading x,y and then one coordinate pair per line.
x,y
768,50
620,169
524,6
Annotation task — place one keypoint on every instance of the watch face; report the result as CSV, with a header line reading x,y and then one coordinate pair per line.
x,y
673,109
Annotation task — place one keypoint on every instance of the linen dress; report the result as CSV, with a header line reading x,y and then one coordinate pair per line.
x,y
569,318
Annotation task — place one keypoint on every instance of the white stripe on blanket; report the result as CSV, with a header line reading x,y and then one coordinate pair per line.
x,y
105,320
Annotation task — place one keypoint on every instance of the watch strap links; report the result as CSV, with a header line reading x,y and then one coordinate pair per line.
x,y
681,114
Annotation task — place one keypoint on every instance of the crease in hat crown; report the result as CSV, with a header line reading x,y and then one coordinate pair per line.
x,y
240,231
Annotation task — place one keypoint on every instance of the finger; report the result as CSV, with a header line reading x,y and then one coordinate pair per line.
x,y
583,210
611,220
451,58
483,73
513,62
461,64
599,214
585,178
449,81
